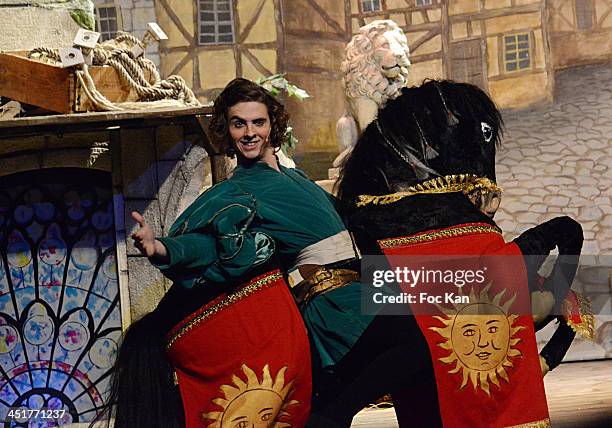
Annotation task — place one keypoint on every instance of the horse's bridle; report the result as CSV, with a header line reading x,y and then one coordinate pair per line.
x,y
420,169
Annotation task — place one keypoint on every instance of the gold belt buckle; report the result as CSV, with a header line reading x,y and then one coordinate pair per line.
x,y
321,275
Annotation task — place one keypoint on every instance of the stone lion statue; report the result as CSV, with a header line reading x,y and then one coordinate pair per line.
x,y
374,70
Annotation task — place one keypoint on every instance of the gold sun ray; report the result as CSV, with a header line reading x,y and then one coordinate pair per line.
x,y
238,382
254,403
280,379
480,336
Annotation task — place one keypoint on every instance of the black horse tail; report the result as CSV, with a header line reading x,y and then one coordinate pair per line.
x,y
142,391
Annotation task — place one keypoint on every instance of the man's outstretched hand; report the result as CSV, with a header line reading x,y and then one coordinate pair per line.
x,y
144,240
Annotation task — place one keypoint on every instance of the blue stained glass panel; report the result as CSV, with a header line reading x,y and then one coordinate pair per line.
x,y
60,317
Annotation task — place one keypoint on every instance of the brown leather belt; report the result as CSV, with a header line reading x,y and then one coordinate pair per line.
x,y
322,281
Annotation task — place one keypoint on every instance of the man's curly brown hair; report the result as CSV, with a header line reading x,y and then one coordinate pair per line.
x,y
243,90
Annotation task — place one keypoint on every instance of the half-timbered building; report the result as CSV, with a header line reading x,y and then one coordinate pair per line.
x,y
579,31
510,48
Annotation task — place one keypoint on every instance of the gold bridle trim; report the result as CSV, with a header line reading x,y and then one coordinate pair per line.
x,y
466,183
438,234
244,292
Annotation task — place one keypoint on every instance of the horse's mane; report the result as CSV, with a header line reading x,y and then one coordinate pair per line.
x,y
431,130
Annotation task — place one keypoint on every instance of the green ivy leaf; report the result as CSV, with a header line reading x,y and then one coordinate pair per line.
x,y
275,84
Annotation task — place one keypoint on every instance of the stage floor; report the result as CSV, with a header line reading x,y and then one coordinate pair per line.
x,y
579,396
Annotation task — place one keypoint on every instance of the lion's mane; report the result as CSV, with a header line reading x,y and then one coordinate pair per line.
x,y
361,72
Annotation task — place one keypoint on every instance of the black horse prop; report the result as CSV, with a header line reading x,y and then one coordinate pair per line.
x,y
427,163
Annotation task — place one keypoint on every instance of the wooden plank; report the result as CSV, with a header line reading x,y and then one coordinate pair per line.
x,y
89,122
33,82
63,119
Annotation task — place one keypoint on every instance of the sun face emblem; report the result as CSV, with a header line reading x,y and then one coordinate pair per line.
x,y
253,403
480,336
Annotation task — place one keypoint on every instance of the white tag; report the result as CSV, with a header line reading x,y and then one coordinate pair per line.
x,y
71,57
86,38
156,31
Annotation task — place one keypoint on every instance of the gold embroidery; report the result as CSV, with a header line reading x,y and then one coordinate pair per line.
x,y
544,423
228,301
466,183
439,234
586,327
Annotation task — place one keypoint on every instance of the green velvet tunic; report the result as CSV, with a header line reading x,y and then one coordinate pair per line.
x,y
239,223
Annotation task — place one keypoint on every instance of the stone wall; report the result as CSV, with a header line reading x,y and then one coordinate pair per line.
x,y
24,27
557,160
162,170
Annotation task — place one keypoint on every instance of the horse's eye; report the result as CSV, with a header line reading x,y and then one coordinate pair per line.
x,y
487,131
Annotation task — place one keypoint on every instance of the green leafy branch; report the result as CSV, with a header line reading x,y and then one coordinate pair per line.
x,y
276,85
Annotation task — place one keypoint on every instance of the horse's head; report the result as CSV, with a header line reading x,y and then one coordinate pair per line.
x,y
439,128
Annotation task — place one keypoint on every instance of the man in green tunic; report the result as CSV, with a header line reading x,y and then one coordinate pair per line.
x,y
265,209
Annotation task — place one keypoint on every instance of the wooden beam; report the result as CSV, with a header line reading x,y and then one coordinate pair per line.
x,y
421,27
328,19
347,18
255,61
426,57
183,62
280,37
445,31
495,13
263,45
377,13
202,121
505,76
423,39
236,51
247,28
174,49
179,25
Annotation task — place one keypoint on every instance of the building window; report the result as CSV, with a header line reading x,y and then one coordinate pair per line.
x,y
108,21
371,5
517,52
216,22
424,2
584,14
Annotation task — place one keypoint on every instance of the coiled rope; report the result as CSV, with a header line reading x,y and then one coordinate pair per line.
x,y
151,91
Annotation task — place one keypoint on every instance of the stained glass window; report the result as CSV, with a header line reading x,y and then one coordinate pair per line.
x,y
60,318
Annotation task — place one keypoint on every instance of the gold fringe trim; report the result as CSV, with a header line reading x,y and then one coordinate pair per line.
x,y
586,327
466,183
544,423
439,234
228,301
